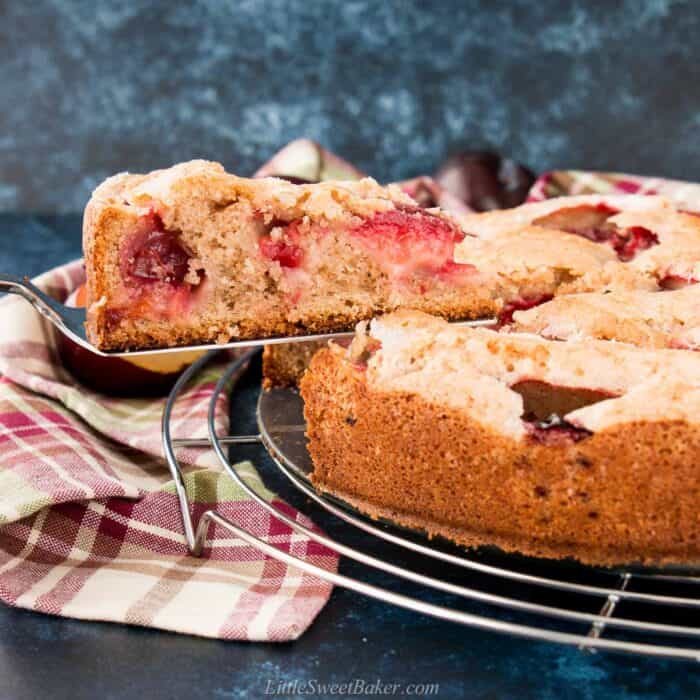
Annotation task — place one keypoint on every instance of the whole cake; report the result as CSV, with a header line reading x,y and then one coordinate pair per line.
x,y
584,448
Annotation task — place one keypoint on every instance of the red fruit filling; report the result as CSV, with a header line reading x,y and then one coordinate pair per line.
x,y
632,240
505,317
671,282
410,241
154,265
592,223
556,431
156,254
286,249
363,354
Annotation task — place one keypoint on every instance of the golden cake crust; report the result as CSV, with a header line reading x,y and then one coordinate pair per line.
x,y
626,493
608,500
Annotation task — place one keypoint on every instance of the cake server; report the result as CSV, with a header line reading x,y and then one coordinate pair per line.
x,y
71,322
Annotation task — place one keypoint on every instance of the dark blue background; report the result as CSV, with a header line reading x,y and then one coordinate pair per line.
x,y
89,88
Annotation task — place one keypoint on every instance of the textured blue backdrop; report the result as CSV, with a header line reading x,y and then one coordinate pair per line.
x,y
90,88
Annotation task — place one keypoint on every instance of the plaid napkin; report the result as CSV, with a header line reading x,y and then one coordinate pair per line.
x,y
686,195
89,520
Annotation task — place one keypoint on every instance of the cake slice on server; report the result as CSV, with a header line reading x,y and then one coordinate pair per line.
x,y
584,448
193,254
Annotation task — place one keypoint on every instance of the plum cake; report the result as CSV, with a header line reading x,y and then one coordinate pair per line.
x,y
580,448
194,254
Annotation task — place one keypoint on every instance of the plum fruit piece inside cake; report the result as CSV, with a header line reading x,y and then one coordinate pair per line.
x,y
193,254
584,448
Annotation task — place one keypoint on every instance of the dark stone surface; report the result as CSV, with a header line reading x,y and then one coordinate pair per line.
x,y
353,637
91,88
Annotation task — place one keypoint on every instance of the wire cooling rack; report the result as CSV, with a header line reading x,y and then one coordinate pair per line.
x,y
638,611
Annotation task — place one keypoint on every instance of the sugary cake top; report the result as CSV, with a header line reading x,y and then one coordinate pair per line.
x,y
651,237
199,180
473,370
648,319
494,223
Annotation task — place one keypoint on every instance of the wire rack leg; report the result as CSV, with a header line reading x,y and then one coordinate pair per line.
x,y
193,537
607,611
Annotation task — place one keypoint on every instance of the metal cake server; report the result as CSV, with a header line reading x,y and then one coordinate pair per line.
x,y
71,322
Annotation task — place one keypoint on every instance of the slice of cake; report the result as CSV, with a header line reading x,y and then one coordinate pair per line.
x,y
193,254
584,448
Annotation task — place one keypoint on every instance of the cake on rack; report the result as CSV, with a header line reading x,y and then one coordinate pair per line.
x,y
568,429
584,448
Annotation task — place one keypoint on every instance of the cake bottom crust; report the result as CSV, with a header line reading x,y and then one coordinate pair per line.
x,y
513,543
622,496
224,326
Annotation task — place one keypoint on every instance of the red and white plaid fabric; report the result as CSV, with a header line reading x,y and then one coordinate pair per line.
x,y
562,183
89,520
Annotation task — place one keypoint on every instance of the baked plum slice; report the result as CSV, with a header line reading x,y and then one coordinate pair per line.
x,y
283,245
544,406
592,222
159,281
670,282
155,254
409,242
555,431
505,316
